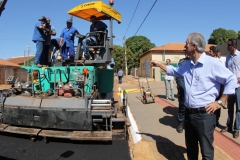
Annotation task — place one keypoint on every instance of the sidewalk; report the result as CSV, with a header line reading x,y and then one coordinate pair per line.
x,y
157,124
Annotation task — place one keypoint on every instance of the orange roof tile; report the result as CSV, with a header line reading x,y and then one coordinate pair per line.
x,y
7,63
19,60
171,47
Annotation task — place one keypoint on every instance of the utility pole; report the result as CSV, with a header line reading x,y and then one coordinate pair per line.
x,y
24,57
28,49
163,52
126,69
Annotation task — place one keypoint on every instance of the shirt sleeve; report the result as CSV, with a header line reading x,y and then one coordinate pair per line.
x,y
76,31
237,63
38,24
53,29
177,72
225,77
62,34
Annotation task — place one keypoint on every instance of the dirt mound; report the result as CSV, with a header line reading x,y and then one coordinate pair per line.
x,y
143,150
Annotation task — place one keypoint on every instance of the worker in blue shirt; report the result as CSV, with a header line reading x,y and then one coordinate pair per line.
x,y
120,76
67,41
180,88
39,39
203,76
233,64
95,26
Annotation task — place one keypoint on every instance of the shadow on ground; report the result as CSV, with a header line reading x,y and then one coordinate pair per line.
x,y
66,155
5,158
171,118
167,148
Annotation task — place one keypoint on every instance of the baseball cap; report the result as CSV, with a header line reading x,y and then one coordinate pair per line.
x,y
42,18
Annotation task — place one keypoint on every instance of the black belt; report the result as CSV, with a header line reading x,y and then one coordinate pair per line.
x,y
197,110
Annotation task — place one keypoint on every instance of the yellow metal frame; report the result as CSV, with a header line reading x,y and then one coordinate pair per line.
x,y
98,8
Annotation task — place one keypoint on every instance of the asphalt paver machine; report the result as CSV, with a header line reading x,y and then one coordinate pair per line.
x,y
69,100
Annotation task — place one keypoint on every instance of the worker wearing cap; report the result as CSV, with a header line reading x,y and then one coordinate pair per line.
x,y
48,34
95,26
67,41
39,38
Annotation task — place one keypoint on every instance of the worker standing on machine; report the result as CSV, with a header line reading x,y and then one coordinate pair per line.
x,y
67,41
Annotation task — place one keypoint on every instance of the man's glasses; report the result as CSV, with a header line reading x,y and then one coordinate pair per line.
x,y
229,45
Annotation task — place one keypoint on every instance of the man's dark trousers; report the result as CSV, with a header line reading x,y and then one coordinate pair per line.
x,y
231,100
199,127
120,79
181,106
45,54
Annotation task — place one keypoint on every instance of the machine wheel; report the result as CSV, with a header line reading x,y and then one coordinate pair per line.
x,y
33,138
144,101
45,139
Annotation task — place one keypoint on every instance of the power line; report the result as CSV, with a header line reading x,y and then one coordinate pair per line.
x,y
132,17
145,17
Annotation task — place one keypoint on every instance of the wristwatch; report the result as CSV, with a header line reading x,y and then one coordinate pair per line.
x,y
221,104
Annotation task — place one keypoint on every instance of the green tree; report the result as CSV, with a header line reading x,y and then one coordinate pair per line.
x,y
238,34
231,34
118,54
221,35
137,45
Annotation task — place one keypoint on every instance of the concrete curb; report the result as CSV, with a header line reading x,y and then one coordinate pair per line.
x,y
133,128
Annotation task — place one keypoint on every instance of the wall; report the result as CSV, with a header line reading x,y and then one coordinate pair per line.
x,y
157,74
29,62
21,73
2,75
134,72
5,72
159,56
8,72
173,56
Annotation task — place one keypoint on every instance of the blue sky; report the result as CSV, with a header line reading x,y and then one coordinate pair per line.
x,y
169,21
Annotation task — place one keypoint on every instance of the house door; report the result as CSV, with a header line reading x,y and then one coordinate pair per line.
x,y
147,68
2,75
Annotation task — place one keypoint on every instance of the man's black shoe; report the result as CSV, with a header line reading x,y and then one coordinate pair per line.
x,y
180,127
236,134
226,129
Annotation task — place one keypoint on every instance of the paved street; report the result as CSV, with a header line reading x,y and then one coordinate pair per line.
x,y
22,148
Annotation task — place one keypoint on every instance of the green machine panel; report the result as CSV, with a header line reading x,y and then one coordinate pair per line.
x,y
105,80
